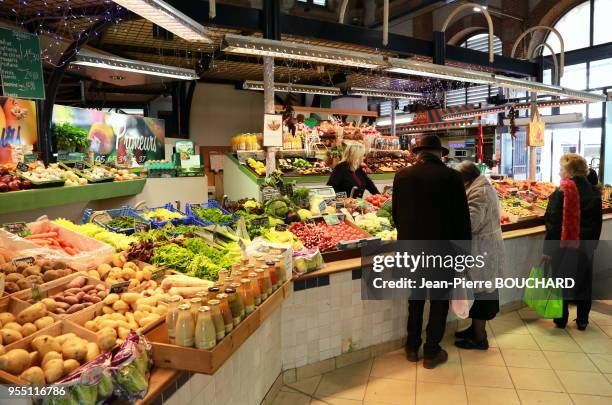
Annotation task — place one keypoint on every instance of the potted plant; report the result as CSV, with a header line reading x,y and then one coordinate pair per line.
x,y
70,138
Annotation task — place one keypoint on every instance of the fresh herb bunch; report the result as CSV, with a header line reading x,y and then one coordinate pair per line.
x,y
68,136
122,222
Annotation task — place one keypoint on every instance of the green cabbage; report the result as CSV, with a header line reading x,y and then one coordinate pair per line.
x,y
85,395
105,386
132,381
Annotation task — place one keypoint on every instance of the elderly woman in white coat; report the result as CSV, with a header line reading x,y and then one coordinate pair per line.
x,y
486,237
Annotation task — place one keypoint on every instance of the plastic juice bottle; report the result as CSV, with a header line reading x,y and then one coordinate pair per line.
x,y
205,333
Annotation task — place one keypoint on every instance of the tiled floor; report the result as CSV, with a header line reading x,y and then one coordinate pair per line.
x,y
529,362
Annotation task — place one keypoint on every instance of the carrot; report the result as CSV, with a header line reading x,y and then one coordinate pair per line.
x,y
70,251
42,235
41,242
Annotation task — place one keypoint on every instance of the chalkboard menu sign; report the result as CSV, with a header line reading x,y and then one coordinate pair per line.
x,y
20,66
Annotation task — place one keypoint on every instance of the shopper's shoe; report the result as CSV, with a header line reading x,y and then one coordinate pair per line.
x,y
581,325
471,344
465,334
435,361
411,355
560,322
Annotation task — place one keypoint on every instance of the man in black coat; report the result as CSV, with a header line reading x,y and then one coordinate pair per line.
x,y
430,204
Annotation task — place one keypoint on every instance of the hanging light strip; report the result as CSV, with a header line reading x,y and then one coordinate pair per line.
x,y
293,88
548,89
161,13
503,108
426,69
362,91
244,45
84,58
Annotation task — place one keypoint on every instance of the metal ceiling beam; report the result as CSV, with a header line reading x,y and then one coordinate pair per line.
x,y
425,6
251,20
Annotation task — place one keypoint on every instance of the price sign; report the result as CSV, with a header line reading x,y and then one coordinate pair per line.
x,y
331,219
140,226
17,228
341,194
62,156
261,222
119,287
322,205
30,158
281,227
79,166
29,260
269,193
340,205
23,167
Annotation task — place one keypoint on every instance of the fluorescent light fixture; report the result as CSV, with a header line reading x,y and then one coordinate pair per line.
x,y
244,45
426,69
84,58
548,89
503,108
293,88
569,118
362,91
400,119
161,13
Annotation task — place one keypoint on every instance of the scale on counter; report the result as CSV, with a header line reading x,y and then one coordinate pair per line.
x,y
323,191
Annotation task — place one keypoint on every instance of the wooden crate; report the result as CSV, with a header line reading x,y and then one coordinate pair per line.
x,y
15,306
56,329
208,361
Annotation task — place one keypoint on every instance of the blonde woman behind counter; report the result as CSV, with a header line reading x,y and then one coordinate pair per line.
x,y
349,173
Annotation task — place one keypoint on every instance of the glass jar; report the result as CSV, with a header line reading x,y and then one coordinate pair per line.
x,y
279,266
171,317
215,313
240,297
268,280
223,275
235,267
247,296
220,285
255,288
226,313
234,304
195,303
273,276
244,261
263,286
205,333
203,295
244,272
185,326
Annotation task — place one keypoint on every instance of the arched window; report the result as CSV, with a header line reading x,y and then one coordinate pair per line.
x,y
474,94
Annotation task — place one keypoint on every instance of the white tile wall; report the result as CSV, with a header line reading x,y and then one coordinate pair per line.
x,y
324,322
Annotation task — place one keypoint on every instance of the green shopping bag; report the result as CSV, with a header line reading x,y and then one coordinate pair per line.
x,y
547,302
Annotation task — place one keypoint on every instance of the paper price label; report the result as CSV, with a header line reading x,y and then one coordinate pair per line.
x,y
17,228
280,227
29,260
341,194
261,222
79,166
158,274
331,219
23,167
140,226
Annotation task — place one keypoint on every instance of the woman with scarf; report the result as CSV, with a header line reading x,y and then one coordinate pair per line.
x,y
573,225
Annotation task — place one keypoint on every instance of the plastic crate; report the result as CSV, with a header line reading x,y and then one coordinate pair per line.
x,y
186,220
114,213
209,204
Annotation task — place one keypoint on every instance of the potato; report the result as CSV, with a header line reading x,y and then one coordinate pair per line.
x,y
77,282
44,322
15,361
33,375
54,370
62,338
91,325
28,328
130,297
24,284
121,305
50,303
70,365
108,323
106,339
52,275
74,348
10,335
45,344
32,313
13,325
32,270
131,265
75,308
6,317
10,287
107,310
93,351
144,308
111,299
34,359
14,277
93,274
160,310
52,355
2,351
